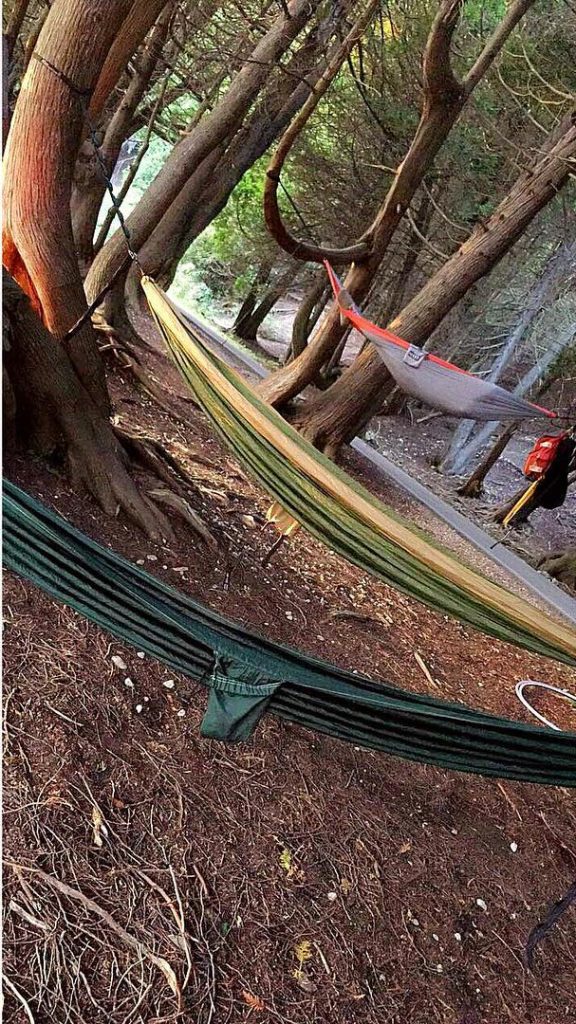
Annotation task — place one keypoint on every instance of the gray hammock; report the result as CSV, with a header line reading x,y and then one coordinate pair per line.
x,y
433,380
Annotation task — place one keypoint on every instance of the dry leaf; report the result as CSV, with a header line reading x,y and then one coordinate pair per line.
x,y
99,826
286,860
254,1002
305,982
303,951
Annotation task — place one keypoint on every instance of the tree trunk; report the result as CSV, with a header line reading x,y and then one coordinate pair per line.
x,y
414,244
207,190
64,382
89,185
247,308
473,486
544,370
187,156
523,515
444,100
14,24
134,28
54,414
310,307
248,330
42,145
540,292
5,91
335,417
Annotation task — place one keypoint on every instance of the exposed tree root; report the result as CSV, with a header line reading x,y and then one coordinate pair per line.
x,y
126,355
149,454
561,565
54,414
179,504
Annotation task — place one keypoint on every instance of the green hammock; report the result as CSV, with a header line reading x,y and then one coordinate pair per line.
x,y
247,674
337,510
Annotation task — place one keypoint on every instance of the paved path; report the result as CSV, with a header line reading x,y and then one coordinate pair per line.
x,y
541,585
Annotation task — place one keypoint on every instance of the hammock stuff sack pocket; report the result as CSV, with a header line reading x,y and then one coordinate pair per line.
x,y
550,461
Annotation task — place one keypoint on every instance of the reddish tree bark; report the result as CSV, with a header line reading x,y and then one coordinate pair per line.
x,y
53,412
65,384
89,185
40,153
134,28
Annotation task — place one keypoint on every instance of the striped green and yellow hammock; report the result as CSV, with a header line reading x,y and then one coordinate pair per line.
x,y
309,489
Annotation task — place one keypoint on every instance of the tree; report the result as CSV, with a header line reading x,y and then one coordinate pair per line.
x,y
208,189
443,101
556,267
547,369
89,185
60,386
336,415
213,129
247,326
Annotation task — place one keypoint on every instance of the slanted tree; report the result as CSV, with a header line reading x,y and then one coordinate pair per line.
x,y
444,99
89,185
210,186
307,315
215,127
559,265
248,328
335,416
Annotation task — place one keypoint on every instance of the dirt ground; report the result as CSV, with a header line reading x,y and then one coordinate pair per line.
x,y
154,876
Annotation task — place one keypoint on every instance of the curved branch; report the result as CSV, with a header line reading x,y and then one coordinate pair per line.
x,y
440,82
298,249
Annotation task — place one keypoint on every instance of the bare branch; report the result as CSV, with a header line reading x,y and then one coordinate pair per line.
x,y
514,14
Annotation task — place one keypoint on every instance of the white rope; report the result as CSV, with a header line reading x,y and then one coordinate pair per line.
x,y
544,686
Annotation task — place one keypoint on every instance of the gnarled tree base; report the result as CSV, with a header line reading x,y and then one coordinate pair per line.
x,y
561,565
334,417
53,414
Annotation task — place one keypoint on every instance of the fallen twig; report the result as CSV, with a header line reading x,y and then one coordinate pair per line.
x,y
129,940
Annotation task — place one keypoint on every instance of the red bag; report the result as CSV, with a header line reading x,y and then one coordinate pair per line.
x,y
542,455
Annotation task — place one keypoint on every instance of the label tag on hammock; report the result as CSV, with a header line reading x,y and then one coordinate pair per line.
x,y
414,356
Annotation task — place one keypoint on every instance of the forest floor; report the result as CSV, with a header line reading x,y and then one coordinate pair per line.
x,y
293,879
